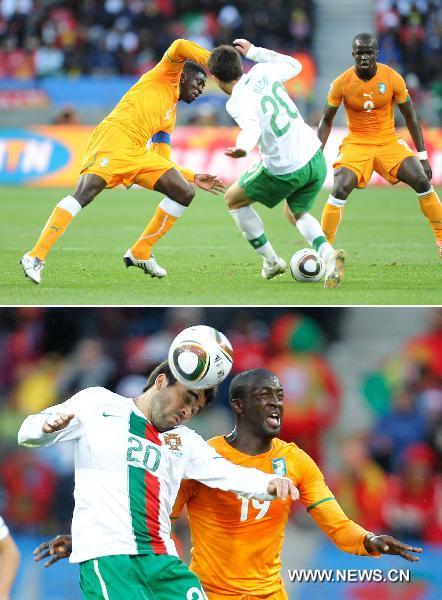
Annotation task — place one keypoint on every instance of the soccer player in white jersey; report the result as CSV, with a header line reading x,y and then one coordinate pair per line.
x,y
130,458
9,561
292,164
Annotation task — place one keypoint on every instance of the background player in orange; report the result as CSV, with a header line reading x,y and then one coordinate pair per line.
x,y
117,153
246,536
369,91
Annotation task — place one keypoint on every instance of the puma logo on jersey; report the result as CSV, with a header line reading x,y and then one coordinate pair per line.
x,y
370,95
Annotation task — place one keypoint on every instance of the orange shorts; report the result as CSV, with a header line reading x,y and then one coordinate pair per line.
x,y
279,595
112,155
363,159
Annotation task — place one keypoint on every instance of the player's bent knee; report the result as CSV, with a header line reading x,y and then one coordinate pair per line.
x,y
421,184
188,195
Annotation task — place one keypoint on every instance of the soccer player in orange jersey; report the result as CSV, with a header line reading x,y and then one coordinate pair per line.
x,y
117,154
369,91
237,543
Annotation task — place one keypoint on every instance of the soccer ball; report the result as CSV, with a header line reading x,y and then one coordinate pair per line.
x,y
200,357
307,265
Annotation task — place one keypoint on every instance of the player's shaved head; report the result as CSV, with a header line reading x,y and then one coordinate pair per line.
x,y
193,67
364,39
242,383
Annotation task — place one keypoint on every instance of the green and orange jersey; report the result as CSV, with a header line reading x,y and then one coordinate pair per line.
x,y
369,105
237,542
149,107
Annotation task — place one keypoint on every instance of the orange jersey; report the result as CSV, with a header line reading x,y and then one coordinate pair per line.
x,y
369,104
237,542
150,105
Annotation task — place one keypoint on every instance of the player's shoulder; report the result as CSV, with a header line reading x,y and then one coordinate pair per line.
x,y
187,436
344,77
382,69
284,448
217,442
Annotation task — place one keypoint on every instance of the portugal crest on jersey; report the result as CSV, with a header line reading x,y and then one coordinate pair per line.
x,y
279,466
382,88
173,442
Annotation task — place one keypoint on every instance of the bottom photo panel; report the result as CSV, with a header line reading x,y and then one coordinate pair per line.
x,y
221,453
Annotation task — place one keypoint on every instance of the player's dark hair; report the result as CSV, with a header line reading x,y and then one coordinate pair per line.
x,y
242,383
365,38
164,369
191,66
225,63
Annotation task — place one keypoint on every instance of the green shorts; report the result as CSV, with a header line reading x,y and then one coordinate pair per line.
x,y
139,577
300,187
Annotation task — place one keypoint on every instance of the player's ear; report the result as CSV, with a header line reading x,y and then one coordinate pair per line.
x,y
161,381
236,405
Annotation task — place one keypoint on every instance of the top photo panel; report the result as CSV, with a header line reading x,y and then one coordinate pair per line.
x,y
249,153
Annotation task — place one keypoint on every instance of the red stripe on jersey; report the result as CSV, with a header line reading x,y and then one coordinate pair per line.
x,y
153,498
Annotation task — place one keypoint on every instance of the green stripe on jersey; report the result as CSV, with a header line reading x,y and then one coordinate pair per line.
x,y
319,502
137,486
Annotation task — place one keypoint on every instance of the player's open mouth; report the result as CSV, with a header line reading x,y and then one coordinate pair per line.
x,y
273,419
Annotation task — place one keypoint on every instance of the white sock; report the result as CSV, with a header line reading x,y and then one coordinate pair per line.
x,y
71,205
171,207
336,201
252,228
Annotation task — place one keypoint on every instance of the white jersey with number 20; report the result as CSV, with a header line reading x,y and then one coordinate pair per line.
x,y
268,117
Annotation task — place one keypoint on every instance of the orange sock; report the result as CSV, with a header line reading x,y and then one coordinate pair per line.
x,y
160,224
54,228
432,209
332,214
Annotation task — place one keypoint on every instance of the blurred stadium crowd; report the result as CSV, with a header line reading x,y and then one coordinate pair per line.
x,y
44,37
389,476
410,41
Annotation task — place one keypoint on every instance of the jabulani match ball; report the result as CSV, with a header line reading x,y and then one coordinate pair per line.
x,y
307,265
200,357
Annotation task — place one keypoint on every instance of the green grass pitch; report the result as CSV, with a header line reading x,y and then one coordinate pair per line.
x,y
391,256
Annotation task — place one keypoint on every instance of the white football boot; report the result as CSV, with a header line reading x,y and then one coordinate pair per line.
x,y
32,267
334,268
149,266
272,268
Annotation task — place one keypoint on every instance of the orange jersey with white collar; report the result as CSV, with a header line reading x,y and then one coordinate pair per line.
x,y
369,104
237,542
149,106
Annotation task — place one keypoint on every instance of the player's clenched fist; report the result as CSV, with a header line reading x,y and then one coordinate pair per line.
x,y
242,46
56,422
283,488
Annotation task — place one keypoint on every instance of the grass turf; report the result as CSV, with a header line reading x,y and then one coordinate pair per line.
x,y
391,256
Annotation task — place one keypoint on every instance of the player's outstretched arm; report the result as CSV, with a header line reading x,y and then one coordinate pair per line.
x,y
57,548
283,67
57,422
210,183
415,129
385,544
283,488
326,123
181,50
